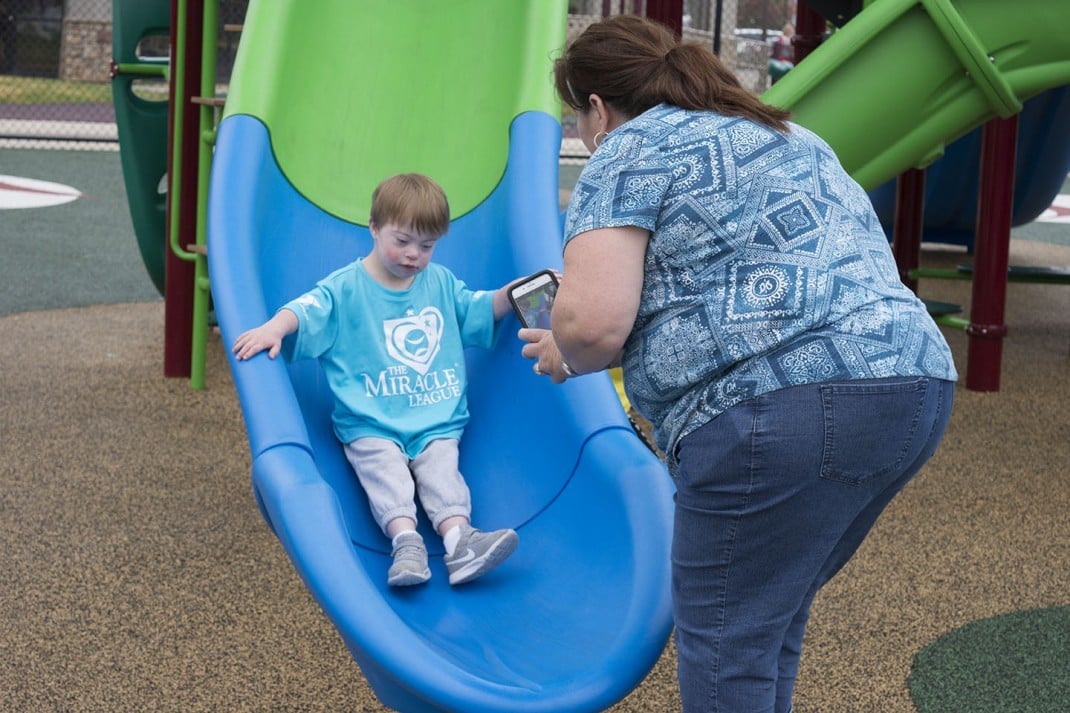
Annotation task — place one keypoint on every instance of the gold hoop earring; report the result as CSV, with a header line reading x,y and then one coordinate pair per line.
x,y
598,143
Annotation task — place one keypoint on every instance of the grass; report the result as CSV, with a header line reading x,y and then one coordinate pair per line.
x,y
36,90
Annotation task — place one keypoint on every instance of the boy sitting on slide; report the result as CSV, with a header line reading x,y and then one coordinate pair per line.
x,y
390,331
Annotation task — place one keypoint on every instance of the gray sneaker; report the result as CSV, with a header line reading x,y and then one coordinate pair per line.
x,y
479,552
410,561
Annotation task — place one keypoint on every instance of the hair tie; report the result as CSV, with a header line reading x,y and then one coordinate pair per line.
x,y
576,102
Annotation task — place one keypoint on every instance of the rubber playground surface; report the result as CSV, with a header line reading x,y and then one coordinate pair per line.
x,y
140,575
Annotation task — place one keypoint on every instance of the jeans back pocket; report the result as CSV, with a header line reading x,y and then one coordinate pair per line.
x,y
870,427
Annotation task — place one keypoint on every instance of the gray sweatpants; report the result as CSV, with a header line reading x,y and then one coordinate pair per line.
x,y
391,480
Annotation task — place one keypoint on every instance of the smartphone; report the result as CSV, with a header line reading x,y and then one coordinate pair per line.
x,y
533,299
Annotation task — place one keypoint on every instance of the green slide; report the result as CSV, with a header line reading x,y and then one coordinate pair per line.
x,y
905,77
481,81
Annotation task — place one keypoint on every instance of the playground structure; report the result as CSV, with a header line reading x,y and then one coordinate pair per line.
x,y
936,201
1005,174
288,204
166,153
951,185
961,64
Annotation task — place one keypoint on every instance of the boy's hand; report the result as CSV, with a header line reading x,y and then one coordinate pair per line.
x,y
268,335
502,305
251,343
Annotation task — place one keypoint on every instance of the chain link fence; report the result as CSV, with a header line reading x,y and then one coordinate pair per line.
x,y
55,58
743,48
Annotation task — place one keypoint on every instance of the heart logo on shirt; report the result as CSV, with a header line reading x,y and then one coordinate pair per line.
x,y
414,340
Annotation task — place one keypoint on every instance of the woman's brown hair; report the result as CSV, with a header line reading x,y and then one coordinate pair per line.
x,y
634,64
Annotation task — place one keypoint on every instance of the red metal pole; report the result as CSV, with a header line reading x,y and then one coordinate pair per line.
x,y
668,12
995,204
909,223
179,274
809,31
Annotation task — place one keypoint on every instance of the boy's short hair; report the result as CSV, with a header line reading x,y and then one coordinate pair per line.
x,y
411,200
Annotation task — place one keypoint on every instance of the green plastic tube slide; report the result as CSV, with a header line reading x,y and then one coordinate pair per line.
x,y
905,77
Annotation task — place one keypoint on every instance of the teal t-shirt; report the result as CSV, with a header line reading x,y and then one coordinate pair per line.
x,y
766,267
394,360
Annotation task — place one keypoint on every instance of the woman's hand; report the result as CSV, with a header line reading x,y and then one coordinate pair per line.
x,y
595,310
543,349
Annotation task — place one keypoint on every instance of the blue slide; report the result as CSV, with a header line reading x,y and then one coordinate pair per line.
x,y
327,99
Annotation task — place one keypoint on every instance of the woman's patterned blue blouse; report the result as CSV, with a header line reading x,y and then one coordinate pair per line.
x,y
766,267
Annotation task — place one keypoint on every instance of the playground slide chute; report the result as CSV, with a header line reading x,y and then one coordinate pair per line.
x,y
905,77
330,97
327,99
1042,163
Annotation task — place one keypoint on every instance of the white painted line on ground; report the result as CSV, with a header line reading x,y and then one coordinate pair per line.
x,y
1059,212
18,192
32,129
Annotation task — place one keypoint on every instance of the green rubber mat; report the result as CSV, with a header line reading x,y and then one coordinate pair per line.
x,y
1016,663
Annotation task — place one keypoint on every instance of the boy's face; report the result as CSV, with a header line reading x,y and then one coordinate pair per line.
x,y
403,252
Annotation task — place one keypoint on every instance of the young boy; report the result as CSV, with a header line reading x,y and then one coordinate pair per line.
x,y
390,332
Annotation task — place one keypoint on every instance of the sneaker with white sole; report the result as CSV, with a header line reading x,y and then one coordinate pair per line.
x,y
410,561
479,552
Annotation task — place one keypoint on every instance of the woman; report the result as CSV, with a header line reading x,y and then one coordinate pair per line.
x,y
724,258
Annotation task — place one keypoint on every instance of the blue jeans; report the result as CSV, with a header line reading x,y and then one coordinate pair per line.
x,y
773,497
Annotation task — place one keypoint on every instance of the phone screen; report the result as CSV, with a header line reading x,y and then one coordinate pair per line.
x,y
534,298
